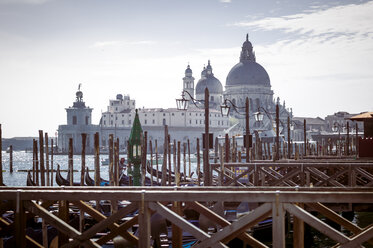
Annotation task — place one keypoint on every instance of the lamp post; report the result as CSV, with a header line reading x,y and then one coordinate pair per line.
x,y
225,112
182,104
259,118
134,149
337,127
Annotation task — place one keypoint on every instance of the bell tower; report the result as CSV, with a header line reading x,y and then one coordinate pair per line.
x,y
188,83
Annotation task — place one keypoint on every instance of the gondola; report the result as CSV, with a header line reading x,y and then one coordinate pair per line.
x,y
62,181
153,172
123,180
90,182
30,181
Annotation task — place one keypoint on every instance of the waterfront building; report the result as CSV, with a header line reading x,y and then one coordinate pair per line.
x,y
249,79
182,125
79,120
341,118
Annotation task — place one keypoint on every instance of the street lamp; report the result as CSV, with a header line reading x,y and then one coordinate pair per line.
x,y
338,127
225,108
182,104
134,149
259,118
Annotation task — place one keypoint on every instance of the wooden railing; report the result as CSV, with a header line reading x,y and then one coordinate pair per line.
x,y
169,202
320,174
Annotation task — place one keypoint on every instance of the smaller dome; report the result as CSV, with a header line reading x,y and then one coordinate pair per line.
x,y
188,70
212,83
79,94
119,97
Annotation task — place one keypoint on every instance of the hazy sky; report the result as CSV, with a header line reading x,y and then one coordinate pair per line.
x,y
318,54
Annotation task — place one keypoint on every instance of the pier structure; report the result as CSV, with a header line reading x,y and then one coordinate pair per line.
x,y
133,219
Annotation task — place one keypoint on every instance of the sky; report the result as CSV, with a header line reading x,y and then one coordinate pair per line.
x,y
318,54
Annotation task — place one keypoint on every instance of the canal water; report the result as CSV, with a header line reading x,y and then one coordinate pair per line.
x,y
22,161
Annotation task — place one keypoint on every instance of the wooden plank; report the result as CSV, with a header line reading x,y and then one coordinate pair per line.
x,y
278,224
316,223
360,238
56,222
238,226
144,222
298,231
121,230
115,228
179,221
20,222
100,226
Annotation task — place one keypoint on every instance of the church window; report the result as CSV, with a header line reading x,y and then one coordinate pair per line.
x,y
153,114
164,114
74,120
129,115
164,121
153,121
173,114
87,120
182,114
145,114
116,118
212,98
116,108
111,122
104,123
122,115
196,121
218,123
200,121
190,121
129,122
190,114
122,122
146,122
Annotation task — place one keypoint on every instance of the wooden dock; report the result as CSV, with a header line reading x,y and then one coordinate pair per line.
x,y
169,202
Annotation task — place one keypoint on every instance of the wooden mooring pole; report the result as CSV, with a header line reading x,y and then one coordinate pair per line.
x,y
84,138
111,159
169,159
41,149
71,165
47,158
11,159
97,159
35,150
52,152
198,164
165,153
151,161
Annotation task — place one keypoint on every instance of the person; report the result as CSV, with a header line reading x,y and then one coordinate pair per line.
x,y
122,165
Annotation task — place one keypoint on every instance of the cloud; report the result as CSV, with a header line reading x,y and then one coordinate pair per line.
x,y
323,57
225,1
351,20
116,43
24,1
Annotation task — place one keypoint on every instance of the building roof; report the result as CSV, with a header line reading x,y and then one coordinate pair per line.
x,y
310,120
362,116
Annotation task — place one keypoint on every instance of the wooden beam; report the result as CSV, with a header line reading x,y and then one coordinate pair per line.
x,y
144,220
56,222
182,223
100,226
360,238
113,227
238,226
278,224
316,223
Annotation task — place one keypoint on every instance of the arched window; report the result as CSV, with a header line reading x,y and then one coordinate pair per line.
x,y
74,120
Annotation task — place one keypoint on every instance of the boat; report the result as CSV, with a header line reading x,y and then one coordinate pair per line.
x,y
62,181
30,181
105,162
90,182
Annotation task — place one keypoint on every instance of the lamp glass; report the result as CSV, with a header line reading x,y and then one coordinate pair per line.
x,y
224,110
182,104
258,116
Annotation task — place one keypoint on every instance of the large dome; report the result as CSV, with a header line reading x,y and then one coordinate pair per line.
x,y
212,83
248,73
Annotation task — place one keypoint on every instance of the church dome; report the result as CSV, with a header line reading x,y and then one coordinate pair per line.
x,y
247,71
208,80
188,70
212,83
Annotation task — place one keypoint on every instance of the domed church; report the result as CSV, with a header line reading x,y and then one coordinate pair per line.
x,y
247,79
